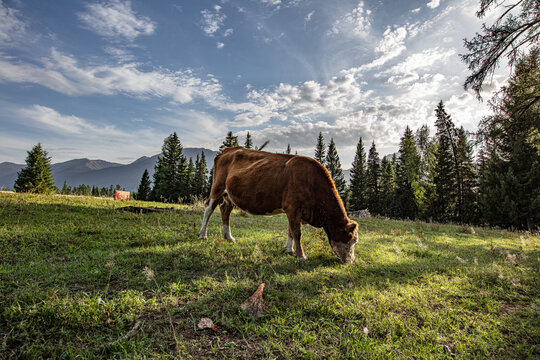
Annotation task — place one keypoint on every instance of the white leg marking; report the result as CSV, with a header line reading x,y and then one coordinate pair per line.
x,y
289,245
207,213
227,233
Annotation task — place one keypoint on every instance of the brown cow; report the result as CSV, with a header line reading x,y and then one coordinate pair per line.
x,y
121,195
263,183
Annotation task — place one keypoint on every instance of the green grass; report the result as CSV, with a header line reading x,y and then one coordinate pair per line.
x,y
73,284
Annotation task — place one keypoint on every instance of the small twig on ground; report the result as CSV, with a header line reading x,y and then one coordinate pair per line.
x,y
129,334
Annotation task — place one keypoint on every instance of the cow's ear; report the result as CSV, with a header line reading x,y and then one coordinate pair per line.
x,y
352,226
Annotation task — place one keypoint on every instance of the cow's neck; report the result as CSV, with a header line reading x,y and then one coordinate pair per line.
x,y
335,217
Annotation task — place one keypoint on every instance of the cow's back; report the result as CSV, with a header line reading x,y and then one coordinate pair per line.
x,y
264,183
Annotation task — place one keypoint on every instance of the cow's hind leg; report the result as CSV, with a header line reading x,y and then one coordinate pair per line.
x,y
226,208
209,208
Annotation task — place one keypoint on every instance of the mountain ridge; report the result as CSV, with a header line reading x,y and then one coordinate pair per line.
x,y
98,172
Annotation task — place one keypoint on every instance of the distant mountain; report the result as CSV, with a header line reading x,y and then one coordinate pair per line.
x,y
99,172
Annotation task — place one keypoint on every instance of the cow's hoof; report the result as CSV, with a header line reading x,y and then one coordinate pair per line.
x,y
203,237
302,258
289,252
231,239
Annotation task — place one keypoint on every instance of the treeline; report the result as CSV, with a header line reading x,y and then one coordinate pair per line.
x,y
89,190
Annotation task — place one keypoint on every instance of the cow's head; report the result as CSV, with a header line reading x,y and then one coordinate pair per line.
x,y
344,241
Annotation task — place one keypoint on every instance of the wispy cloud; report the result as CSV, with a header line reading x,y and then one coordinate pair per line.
x,y
70,134
308,17
62,73
116,20
10,24
356,23
212,20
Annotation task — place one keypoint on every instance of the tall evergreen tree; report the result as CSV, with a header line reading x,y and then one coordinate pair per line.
x,y
469,178
510,179
358,179
249,142
373,175
230,141
210,182
427,148
388,188
170,175
200,182
333,165
190,181
143,192
409,193
320,149
36,177
288,151
447,181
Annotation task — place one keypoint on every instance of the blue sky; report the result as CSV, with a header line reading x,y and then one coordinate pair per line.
x,y
110,79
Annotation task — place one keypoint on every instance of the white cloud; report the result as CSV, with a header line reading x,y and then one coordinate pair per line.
x,y
302,101
63,74
415,10
122,55
356,23
212,21
115,19
50,119
271,2
308,17
220,45
390,46
433,4
74,136
10,24
423,61
228,32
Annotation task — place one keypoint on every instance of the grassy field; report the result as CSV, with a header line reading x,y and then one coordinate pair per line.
x,y
79,278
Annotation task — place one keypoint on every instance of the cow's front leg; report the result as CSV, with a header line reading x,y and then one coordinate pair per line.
x,y
208,210
295,229
226,208
289,248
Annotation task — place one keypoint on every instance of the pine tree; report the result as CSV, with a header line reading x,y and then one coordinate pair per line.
x,y
409,193
510,178
170,177
209,183
333,165
320,149
36,177
200,183
388,188
65,189
447,180
249,142
373,175
427,148
358,179
512,32
288,151
469,188
230,141
143,192
190,181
